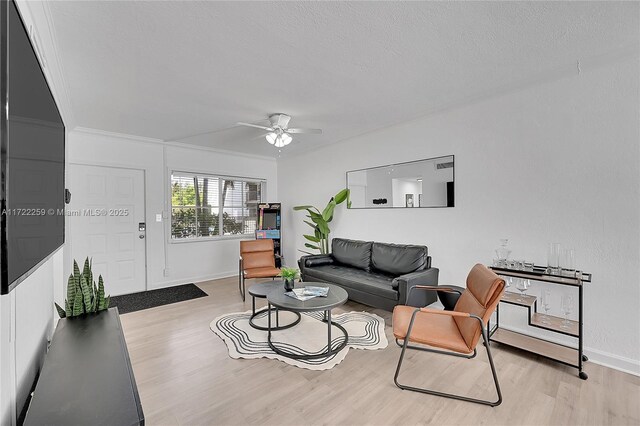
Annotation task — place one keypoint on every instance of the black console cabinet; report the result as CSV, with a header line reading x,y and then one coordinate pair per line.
x,y
87,377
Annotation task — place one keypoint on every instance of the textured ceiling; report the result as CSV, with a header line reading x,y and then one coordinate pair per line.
x,y
172,70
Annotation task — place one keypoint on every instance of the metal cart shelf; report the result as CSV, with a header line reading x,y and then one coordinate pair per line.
x,y
567,355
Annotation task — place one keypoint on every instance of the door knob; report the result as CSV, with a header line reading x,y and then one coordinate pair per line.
x,y
141,236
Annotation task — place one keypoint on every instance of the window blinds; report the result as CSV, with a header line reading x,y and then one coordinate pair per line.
x,y
197,200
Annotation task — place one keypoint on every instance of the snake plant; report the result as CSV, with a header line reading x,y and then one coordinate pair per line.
x,y
320,222
83,295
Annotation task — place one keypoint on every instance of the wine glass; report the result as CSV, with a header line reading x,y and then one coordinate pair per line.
x,y
509,281
567,308
545,299
522,285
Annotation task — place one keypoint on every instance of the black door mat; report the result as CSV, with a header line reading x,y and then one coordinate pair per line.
x,y
152,298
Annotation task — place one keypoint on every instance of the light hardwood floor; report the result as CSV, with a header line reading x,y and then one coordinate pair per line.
x,y
185,377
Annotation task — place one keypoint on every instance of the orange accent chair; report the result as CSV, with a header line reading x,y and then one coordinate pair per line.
x,y
257,260
454,332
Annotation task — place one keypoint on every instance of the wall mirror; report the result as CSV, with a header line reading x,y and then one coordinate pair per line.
x,y
422,183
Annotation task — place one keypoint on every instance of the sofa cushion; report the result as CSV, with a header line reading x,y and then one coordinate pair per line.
x,y
398,259
347,277
352,252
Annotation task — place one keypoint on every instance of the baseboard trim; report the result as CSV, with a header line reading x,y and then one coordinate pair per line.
x,y
620,363
596,356
187,280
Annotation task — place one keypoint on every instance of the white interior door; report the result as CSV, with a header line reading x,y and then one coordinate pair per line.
x,y
106,209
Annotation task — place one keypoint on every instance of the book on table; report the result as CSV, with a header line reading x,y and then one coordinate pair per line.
x,y
308,292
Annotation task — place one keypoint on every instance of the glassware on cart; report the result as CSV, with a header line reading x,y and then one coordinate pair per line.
x,y
567,308
503,252
509,281
522,285
553,258
567,261
528,266
545,303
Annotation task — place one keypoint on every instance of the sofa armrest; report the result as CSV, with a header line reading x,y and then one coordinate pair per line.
x,y
404,284
313,260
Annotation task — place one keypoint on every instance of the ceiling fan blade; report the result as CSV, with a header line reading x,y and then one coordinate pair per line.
x,y
317,131
254,125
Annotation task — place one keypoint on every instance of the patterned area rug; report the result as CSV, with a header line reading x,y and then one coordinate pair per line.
x,y
366,331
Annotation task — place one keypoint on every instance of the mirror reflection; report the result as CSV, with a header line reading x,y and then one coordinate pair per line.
x,y
422,183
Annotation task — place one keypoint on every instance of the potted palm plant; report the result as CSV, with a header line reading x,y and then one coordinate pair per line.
x,y
320,222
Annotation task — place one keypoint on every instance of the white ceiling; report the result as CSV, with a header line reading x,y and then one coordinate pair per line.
x,y
171,70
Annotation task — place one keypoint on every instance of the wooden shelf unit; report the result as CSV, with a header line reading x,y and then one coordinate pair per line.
x,y
560,353
564,354
518,299
553,323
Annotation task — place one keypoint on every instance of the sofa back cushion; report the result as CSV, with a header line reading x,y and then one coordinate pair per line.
x,y
398,259
352,253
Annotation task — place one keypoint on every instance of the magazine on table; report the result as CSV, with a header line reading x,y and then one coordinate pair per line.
x,y
309,292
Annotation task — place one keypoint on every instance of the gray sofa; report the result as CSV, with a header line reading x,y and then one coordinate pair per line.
x,y
375,274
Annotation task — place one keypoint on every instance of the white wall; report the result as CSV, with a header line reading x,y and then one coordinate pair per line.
x,y
555,161
26,326
185,261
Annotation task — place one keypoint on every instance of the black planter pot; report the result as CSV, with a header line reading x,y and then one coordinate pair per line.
x,y
288,284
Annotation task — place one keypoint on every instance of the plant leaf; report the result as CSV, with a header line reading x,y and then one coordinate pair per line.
x,y
71,292
327,213
100,295
312,238
61,312
341,196
76,270
313,225
322,224
86,270
323,228
311,246
86,294
77,305
297,208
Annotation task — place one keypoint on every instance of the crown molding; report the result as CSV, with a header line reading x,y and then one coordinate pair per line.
x,y
143,139
106,133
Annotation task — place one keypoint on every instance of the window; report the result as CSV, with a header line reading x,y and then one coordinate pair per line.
x,y
198,200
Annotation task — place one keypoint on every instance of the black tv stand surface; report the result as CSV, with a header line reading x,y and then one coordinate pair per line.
x,y
87,377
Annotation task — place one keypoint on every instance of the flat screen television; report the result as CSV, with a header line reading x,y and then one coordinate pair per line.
x,y
32,156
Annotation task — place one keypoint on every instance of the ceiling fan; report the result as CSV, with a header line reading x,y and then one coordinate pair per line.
x,y
279,133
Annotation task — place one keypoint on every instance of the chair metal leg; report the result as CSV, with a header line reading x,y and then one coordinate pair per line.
x,y
405,345
435,351
241,279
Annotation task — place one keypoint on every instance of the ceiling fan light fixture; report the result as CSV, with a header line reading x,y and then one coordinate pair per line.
x,y
271,138
286,138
